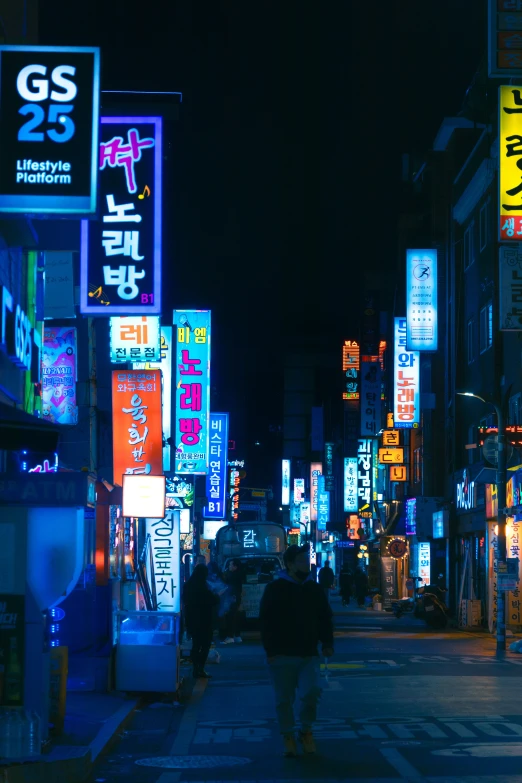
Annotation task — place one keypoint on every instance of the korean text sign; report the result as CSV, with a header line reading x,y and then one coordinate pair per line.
x,y
121,252
49,118
510,288
285,483
350,484
135,338
364,478
137,435
406,386
421,300
351,364
510,161
59,375
504,38
192,391
316,470
370,397
164,540
217,474
323,505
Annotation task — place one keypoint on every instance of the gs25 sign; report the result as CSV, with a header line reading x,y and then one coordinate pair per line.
x,y
49,117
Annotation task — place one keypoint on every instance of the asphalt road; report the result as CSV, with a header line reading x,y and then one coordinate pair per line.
x,y
399,703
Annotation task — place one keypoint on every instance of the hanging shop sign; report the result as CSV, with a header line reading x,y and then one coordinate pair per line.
x,y
49,118
164,540
397,548
351,502
192,391
234,483
466,495
389,580
391,438
59,284
351,370
121,252
406,382
316,470
137,435
424,562
299,490
370,397
323,505
441,524
19,339
421,300
504,38
328,466
59,375
510,155
513,434
143,496
364,478
285,483
179,491
135,338
391,456
510,287
398,473
411,516
217,475
304,515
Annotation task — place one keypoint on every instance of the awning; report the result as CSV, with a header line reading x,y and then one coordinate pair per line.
x,y
20,430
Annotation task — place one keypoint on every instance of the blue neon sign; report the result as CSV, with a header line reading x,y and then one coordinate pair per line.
x,y
218,465
421,300
323,504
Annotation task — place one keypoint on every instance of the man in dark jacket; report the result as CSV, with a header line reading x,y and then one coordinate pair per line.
x,y
230,625
295,617
326,579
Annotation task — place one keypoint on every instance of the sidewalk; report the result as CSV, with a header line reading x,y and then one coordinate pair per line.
x,y
92,720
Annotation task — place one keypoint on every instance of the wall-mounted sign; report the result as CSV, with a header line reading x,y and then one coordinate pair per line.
x,y
316,470
179,491
398,473
59,284
466,495
370,397
351,365
192,394
121,252
411,516
441,524
510,287
504,38
389,420
304,515
299,490
391,438
351,502
49,118
18,338
406,385
421,300
164,541
364,478
391,456
217,474
144,496
59,375
328,466
137,437
513,434
323,505
397,548
135,338
424,562
234,484
510,154
285,483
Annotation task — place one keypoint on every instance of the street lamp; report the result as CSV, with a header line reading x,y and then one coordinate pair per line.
x,y
501,480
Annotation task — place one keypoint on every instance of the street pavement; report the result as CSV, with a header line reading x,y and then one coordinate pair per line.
x,y
399,703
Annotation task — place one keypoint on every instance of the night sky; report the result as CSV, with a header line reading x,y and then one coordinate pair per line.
x,y
285,164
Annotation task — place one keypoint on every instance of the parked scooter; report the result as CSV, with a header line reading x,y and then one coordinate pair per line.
x,y
432,607
407,605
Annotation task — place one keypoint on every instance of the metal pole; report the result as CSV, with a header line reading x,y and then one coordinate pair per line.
x,y
501,523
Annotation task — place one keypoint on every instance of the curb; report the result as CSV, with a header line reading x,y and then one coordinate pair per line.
x,y
70,764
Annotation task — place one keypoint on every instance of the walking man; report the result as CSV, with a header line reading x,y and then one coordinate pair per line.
x,y
295,616
326,579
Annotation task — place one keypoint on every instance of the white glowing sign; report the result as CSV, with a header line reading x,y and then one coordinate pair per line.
x,y
285,493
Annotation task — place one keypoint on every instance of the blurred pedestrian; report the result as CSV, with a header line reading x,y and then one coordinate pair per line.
x,y
346,584
361,586
234,579
198,603
295,617
326,579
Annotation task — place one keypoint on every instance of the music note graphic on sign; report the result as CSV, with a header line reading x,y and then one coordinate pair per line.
x,y
146,192
96,293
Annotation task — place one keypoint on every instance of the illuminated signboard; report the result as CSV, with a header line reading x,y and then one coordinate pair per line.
x,y
391,438
323,505
351,364
165,365
370,397
316,470
59,375
217,474
351,502
411,516
513,434
391,456
192,391
304,514
137,436
424,562
234,483
143,496
121,252
398,473
328,466
406,386
164,541
299,490
421,300
466,496
179,492
510,154
285,484
504,38
18,338
135,338
49,119
364,478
